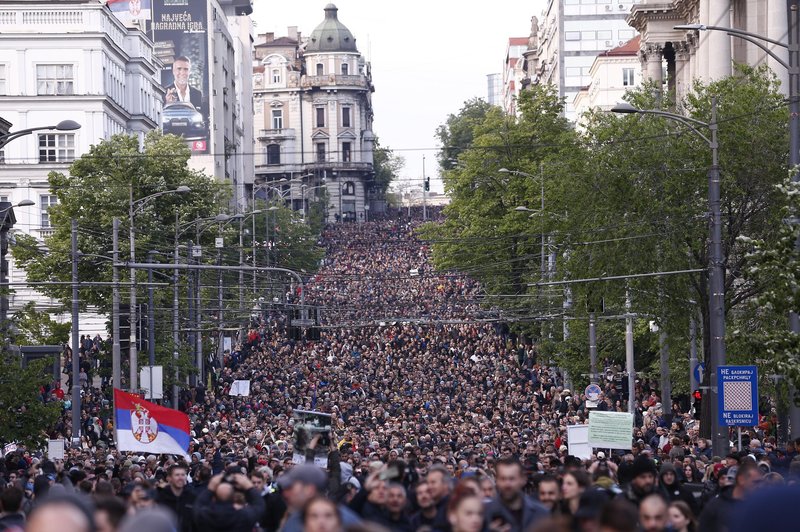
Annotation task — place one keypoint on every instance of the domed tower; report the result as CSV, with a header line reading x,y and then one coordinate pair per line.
x,y
323,147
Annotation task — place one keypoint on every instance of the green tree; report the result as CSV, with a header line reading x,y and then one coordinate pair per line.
x,y
36,327
386,165
457,133
98,188
24,416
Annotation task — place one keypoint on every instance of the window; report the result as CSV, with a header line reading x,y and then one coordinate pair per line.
x,y
345,117
605,35
3,81
3,199
273,154
588,35
276,75
573,71
45,202
345,69
320,152
2,156
54,79
320,69
626,35
627,77
320,111
277,119
56,148
572,36
346,152
349,189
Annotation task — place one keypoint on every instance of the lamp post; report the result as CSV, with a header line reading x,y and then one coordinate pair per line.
x,y
241,254
134,206
793,68
64,125
716,267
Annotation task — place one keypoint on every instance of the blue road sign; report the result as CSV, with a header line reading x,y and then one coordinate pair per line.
x,y
738,395
593,392
699,372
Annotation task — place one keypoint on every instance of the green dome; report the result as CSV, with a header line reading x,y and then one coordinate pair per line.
x,y
331,35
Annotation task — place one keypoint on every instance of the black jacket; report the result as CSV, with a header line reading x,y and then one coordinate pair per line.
x,y
532,512
181,506
214,516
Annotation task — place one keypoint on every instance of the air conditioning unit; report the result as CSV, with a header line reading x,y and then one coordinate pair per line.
x,y
621,7
608,8
608,43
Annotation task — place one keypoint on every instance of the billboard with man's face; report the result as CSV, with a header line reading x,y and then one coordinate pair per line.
x,y
180,33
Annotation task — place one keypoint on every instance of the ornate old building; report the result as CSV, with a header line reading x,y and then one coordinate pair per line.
x,y
677,57
313,115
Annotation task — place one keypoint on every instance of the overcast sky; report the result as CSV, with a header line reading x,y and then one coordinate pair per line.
x,y
428,57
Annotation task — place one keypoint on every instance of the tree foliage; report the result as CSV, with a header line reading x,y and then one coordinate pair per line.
x,y
386,165
24,415
37,327
456,134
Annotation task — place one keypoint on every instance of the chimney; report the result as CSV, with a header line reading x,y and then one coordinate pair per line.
x,y
269,37
292,33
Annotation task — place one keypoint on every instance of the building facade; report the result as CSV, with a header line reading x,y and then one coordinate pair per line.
x,y
677,57
612,74
313,121
66,60
513,73
566,39
494,89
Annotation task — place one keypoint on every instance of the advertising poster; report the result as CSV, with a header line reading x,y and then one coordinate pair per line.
x,y
180,33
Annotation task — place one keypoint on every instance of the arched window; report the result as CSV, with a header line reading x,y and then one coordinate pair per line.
x,y
273,154
345,69
349,189
320,69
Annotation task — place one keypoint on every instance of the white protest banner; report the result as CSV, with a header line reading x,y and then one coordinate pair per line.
x,y
578,441
55,449
610,430
241,388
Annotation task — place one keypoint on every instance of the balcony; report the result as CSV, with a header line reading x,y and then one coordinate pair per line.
x,y
338,165
335,80
45,232
276,134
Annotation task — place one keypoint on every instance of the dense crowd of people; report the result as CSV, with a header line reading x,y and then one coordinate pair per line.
x,y
438,422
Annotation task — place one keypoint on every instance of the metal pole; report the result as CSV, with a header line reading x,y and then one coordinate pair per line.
x,y
541,218
629,367
693,384
719,433
241,263
190,299
793,14
424,192
133,360
175,318
592,348
116,361
151,324
666,385
76,367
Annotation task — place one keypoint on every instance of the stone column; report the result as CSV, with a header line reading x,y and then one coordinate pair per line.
x,y
718,42
701,50
683,74
778,29
652,63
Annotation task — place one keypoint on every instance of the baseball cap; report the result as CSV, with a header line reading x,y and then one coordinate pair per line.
x,y
306,474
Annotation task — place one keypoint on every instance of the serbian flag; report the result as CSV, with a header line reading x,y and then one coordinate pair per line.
x,y
149,428
130,10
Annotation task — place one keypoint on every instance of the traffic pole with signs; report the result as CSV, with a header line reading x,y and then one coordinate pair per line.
x,y
738,397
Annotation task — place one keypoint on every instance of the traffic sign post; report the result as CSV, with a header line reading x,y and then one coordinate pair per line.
x,y
592,393
737,395
698,372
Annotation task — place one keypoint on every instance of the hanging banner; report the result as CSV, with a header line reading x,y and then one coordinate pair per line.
x,y
180,33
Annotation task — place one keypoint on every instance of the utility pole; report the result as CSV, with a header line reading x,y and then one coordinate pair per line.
x,y
133,355
151,324
592,348
175,318
629,367
693,384
425,187
666,385
76,368
116,359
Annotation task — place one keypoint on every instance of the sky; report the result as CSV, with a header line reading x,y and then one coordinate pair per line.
x,y
428,58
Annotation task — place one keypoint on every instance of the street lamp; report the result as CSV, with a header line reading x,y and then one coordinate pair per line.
x,y
64,125
716,272
793,68
134,207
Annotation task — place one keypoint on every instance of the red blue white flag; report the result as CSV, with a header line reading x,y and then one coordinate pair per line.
x,y
130,10
146,427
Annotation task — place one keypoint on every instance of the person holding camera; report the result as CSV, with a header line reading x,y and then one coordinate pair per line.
x,y
229,503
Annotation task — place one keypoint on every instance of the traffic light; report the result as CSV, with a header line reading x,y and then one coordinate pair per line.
x,y
427,184
697,395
